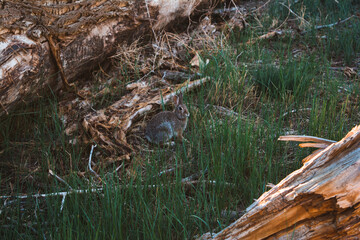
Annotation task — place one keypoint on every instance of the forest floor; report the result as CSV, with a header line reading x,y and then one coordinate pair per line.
x,y
272,69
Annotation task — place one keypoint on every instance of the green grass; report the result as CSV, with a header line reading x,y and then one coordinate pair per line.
x,y
276,87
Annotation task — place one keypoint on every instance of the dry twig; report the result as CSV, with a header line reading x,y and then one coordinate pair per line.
x,y
60,179
223,110
90,168
294,111
301,18
330,25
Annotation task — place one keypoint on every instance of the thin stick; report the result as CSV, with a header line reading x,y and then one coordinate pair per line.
x,y
90,168
334,24
65,193
295,13
330,25
53,194
128,86
268,35
44,195
223,110
342,68
117,169
64,196
194,176
207,182
166,171
295,110
262,6
62,203
150,21
186,181
60,179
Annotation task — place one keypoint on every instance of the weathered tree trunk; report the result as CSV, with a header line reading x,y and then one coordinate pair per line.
x,y
321,200
54,42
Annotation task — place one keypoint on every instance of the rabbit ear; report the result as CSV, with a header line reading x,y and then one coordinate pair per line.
x,y
180,96
176,100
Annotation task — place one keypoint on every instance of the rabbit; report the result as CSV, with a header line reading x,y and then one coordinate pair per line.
x,y
166,125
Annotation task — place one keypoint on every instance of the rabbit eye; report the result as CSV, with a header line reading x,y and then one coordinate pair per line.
x,y
180,108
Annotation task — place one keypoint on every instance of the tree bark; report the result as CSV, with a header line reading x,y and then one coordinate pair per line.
x,y
53,43
321,200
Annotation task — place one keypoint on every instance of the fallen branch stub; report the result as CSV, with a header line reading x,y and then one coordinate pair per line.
x,y
321,200
309,141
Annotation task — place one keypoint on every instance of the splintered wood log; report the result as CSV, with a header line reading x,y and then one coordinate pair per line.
x,y
53,43
321,200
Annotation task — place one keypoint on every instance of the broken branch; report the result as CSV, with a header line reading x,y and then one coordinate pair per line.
x,y
90,168
330,25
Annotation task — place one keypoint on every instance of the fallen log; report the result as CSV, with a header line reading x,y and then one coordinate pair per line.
x,y
52,43
321,200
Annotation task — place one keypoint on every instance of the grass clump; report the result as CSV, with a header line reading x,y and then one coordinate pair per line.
x,y
289,78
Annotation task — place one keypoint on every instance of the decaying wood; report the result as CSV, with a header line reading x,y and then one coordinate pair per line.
x,y
80,34
109,127
321,200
